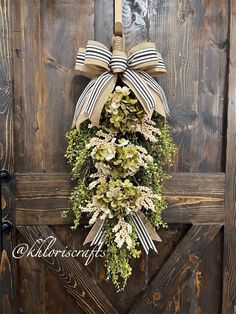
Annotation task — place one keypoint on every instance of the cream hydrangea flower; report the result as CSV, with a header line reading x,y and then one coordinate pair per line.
x,y
125,91
118,89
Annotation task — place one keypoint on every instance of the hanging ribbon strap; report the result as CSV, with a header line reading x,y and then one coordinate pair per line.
x,y
136,69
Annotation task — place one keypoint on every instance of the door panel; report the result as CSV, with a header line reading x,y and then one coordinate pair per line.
x,y
40,40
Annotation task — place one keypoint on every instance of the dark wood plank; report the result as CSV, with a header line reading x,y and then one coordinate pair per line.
x,y
53,286
201,292
193,39
69,237
70,272
205,282
229,287
30,284
47,36
6,95
47,88
193,198
7,287
7,264
103,21
176,269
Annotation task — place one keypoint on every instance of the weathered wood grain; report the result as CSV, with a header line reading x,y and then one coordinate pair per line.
x,y
70,272
56,298
200,292
7,265
47,35
205,282
170,238
195,198
229,287
192,198
30,283
73,240
6,288
177,268
192,37
103,21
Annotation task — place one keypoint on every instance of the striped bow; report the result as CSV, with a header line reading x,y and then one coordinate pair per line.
x,y
136,69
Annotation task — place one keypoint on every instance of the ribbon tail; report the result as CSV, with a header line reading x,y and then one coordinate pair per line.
x,y
140,235
102,99
103,85
137,84
152,232
81,100
143,234
158,90
94,233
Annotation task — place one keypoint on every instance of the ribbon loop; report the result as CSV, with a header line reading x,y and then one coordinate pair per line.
x,y
143,56
97,55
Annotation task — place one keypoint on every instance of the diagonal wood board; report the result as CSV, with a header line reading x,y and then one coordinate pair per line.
x,y
72,274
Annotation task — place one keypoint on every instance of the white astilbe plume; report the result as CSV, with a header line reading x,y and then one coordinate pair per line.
x,y
123,231
146,198
148,129
96,211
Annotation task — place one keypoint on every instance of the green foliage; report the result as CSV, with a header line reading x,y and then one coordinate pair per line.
x,y
119,169
162,152
78,157
77,154
118,259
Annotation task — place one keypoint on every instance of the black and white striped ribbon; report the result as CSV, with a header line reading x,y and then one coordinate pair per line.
x,y
143,235
142,232
80,58
99,235
161,63
145,55
141,88
116,61
98,53
140,80
157,88
100,82
81,100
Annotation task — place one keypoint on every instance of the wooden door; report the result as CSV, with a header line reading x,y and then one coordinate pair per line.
x,y
195,269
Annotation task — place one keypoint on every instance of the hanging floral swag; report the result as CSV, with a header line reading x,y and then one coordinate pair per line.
x,y
119,166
